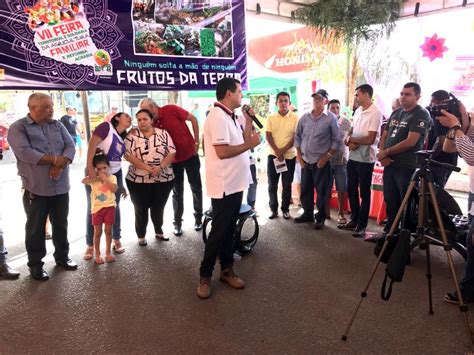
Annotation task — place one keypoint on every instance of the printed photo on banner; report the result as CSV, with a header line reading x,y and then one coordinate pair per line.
x,y
183,28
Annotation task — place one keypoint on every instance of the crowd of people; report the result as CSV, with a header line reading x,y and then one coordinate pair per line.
x,y
326,146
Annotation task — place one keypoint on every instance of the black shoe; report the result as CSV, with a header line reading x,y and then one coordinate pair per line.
x,y
319,225
304,219
67,264
286,215
198,226
351,225
273,215
38,273
8,273
177,231
359,233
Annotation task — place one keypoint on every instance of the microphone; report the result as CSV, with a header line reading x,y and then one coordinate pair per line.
x,y
255,120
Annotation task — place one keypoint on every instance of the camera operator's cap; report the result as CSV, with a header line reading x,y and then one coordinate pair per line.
x,y
321,93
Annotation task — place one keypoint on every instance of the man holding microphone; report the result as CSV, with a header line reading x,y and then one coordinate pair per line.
x,y
227,176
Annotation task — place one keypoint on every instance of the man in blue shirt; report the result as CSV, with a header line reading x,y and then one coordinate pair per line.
x,y
317,139
44,149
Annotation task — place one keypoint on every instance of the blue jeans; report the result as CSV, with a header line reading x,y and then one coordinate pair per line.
x,y
252,191
395,185
3,250
313,177
116,228
467,283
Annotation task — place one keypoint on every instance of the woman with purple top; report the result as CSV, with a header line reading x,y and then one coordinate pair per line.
x,y
108,137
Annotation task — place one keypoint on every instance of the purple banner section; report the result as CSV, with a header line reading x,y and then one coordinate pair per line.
x,y
121,44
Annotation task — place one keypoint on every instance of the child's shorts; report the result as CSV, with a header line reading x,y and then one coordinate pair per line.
x,y
105,215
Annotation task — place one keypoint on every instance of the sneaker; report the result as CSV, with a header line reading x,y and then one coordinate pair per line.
x,y
229,277
286,215
204,288
359,233
198,226
142,242
273,215
319,225
304,219
351,225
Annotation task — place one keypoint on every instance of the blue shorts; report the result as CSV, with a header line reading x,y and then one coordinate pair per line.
x,y
78,141
339,173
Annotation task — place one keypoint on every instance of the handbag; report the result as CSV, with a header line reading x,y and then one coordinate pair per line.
x,y
396,263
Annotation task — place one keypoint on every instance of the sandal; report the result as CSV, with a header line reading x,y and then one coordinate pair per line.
x,y
341,220
110,258
89,254
99,260
117,247
161,237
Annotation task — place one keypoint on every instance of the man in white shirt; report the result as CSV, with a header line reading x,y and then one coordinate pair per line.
x,y
227,176
362,141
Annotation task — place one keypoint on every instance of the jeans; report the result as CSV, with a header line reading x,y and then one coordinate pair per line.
x,y
192,167
286,180
37,209
314,177
467,283
339,175
359,177
149,197
3,250
116,231
252,190
395,185
220,243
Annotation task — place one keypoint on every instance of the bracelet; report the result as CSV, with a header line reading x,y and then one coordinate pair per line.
x,y
55,159
386,152
329,154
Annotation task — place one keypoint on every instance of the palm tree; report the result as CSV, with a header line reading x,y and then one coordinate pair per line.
x,y
351,21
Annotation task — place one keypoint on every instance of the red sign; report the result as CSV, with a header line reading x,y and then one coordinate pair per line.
x,y
292,51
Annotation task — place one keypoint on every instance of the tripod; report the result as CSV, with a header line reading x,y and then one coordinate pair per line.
x,y
424,177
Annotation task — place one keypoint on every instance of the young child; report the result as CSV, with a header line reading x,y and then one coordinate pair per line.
x,y
103,189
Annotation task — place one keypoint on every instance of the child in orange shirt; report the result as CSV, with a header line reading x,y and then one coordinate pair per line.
x,y
103,188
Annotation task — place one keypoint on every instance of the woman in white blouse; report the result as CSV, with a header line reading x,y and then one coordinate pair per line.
x,y
150,152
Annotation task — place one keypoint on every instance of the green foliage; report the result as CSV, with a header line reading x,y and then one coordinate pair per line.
x,y
351,20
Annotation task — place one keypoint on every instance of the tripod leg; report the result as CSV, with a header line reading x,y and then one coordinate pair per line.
x,y
428,276
420,233
377,262
462,306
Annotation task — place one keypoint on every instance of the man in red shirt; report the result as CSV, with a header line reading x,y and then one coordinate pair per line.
x,y
172,118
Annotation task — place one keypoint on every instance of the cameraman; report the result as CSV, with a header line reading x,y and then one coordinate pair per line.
x,y
437,137
460,137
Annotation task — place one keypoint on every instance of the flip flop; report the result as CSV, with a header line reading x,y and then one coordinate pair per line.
x,y
89,254
109,258
117,247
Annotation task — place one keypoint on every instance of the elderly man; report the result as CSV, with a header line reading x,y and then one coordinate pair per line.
x,y
173,119
44,149
317,138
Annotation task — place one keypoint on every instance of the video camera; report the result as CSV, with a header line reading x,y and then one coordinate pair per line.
x,y
451,105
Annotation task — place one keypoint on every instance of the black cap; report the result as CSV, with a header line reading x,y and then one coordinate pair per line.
x,y
322,93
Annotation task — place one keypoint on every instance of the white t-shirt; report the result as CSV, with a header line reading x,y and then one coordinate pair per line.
x,y
363,122
224,176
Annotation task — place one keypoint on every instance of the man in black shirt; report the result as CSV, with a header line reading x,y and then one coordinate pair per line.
x,y
404,135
